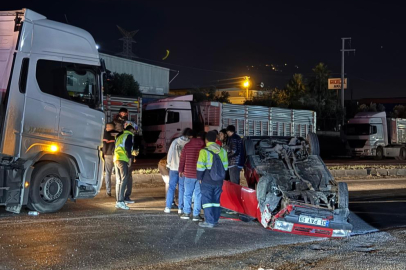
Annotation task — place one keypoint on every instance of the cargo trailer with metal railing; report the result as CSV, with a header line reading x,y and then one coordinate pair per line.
x,y
164,120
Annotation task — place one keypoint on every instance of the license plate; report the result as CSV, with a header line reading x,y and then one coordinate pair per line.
x,y
313,221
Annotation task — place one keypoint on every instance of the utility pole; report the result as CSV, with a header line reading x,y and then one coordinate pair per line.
x,y
343,50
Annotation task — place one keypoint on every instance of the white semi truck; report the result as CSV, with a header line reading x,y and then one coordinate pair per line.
x,y
373,134
165,119
51,113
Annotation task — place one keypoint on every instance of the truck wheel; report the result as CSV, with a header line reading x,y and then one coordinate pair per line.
x,y
50,187
314,145
342,195
249,147
402,154
379,153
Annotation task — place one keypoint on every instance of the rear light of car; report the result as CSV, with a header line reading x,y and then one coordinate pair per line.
x,y
341,233
283,226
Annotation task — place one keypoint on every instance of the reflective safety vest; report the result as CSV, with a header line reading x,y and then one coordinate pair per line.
x,y
119,152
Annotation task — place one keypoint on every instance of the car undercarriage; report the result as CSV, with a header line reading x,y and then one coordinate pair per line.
x,y
293,189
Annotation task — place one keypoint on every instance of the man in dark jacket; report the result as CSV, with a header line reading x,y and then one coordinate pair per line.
x,y
235,154
108,152
120,119
187,169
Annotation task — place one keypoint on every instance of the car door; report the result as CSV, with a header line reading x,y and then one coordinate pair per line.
x,y
173,126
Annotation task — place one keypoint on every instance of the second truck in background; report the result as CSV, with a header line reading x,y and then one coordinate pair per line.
x,y
165,119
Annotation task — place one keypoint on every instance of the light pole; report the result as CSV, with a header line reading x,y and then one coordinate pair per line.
x,y
343,50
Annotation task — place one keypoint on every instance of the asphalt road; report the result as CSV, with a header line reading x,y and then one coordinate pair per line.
x,y
92,234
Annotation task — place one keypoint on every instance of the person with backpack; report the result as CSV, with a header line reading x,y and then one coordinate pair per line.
x,y
211,169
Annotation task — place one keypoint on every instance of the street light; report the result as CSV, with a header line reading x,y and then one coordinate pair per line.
x,y
246,84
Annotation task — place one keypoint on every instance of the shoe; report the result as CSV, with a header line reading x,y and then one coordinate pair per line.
x,y
174,206
197,218
167,210
180,211
122,205
108,194
206,225
128,200
185,216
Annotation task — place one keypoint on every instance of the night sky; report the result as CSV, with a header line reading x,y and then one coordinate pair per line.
x,y
216,40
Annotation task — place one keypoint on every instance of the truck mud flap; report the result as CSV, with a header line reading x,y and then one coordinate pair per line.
x,y
11,188
240,199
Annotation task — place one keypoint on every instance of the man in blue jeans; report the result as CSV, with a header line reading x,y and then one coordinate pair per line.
x,y
187,168
210,189
173,165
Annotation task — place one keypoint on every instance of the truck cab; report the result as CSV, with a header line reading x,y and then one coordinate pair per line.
x,y
164,120
51,117
365,133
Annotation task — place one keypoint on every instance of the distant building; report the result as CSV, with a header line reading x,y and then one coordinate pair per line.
x,y
153,80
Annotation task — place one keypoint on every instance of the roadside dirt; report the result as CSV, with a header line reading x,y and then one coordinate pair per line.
x,y
382,250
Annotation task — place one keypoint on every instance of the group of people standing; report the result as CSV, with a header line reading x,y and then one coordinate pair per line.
x,y
196,163
118,146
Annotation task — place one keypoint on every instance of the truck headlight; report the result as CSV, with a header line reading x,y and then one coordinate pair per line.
x,y
283,226
341,233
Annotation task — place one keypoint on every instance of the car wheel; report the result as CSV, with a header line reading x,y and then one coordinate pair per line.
x,y
379,153
249,147
314,145
50,187
342,195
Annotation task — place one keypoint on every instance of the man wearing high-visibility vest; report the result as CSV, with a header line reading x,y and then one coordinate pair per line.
x,y
122,159
211,188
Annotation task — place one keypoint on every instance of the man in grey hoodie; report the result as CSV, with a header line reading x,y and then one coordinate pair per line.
x,y
173,164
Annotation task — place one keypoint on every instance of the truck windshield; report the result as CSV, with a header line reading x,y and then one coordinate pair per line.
x,y
359,129
153,117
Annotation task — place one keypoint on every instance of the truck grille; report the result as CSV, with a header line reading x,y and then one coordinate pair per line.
x,y
357,143
151,136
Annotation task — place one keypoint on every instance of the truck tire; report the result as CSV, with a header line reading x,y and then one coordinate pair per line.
x,y
342,195
50,187
249,147
314,145
379,153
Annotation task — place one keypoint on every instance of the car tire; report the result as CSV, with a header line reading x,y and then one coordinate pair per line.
x,y
49,188
343,195
314,145
379,153
249,148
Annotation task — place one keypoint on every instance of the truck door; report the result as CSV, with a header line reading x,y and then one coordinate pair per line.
x,y
173,125
80,125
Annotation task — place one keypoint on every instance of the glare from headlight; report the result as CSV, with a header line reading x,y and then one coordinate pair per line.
x,y
283,226
341,233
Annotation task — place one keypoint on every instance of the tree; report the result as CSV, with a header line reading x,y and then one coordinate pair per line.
x,y
295,90
209,94
399,111
223,97
373,107
122,85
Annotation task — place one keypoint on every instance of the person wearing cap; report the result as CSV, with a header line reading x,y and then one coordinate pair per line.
x,y
120,119
122,159
235,154
209,188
